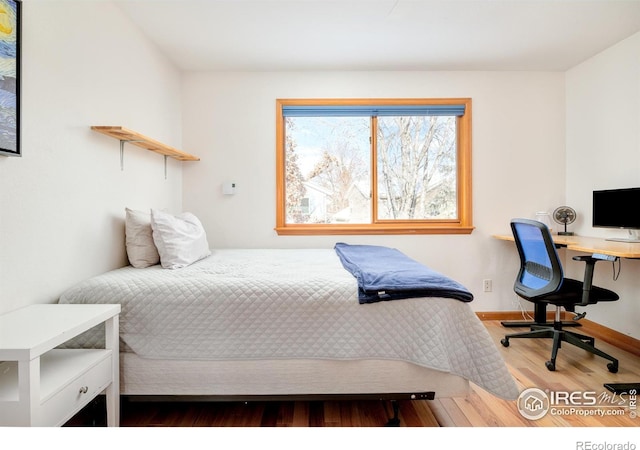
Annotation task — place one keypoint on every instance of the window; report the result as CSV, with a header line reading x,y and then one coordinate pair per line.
x,y
373,166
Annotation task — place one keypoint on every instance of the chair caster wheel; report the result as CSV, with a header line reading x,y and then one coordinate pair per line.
x,y
613,367
504,342
550,365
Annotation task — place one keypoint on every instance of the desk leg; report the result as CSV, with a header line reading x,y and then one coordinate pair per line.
x,y
112,342
539,318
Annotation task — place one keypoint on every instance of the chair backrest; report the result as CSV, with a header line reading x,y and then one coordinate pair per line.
x,y
540,268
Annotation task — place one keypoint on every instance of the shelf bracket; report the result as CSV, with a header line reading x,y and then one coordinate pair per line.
x,y
122,155
122,142
165,166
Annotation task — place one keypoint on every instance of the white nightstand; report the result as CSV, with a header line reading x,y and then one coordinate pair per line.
x,y
44,386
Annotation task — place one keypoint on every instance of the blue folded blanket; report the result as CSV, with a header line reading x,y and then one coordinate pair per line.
x,y
385,273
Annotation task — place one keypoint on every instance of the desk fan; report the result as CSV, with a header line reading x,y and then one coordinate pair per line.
x,y
564,215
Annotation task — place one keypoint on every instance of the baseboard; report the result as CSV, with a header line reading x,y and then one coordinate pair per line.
x,y
620,340
613,337
511,315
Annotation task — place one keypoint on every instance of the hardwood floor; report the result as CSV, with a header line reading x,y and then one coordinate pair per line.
x,y
274,414
576,371
361,413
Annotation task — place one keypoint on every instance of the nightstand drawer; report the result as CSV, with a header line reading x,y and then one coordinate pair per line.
x,y
68,397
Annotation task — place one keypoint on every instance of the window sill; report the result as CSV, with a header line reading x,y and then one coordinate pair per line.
x,y
319,230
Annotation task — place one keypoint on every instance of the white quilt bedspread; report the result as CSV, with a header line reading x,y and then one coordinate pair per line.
x,y
283,304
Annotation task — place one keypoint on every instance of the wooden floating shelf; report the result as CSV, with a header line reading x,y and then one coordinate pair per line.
x,y
142,141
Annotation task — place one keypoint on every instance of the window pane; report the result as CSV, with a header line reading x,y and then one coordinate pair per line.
x,y
416,168
327,173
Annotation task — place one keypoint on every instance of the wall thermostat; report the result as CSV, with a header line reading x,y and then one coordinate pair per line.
x,y
229,188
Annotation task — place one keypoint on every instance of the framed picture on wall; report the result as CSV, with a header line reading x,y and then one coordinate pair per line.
x,y
10,18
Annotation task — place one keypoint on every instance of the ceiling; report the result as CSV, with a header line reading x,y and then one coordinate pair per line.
x,y
274,35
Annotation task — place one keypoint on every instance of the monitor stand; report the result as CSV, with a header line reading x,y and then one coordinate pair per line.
x,y
634,237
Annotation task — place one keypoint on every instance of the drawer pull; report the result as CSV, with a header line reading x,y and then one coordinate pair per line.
x,y
84,389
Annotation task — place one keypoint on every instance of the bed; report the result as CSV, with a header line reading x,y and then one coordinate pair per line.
x,y
287,322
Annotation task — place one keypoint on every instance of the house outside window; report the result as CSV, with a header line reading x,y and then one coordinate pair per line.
x,y
373,166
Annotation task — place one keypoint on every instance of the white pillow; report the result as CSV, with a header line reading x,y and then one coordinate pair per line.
x,y
141,250
180,239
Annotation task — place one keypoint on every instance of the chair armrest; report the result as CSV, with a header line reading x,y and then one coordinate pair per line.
x,y
590,263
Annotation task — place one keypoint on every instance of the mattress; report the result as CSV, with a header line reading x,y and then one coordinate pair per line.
x,y
278,304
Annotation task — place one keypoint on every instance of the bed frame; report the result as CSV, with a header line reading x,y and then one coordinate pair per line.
x,y
290,380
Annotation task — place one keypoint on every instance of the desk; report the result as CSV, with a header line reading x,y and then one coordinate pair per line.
x,y
587,245
590,245
578,244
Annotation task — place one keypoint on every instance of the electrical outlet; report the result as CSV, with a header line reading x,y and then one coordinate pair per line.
x,y
487,285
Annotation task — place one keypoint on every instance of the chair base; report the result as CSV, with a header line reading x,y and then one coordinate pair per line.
x,y
539,318
529,323
559,335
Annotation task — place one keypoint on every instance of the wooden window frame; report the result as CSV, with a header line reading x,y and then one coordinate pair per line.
x,y
461,225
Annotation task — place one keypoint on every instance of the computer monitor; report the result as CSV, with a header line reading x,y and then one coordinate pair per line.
x,y
618,208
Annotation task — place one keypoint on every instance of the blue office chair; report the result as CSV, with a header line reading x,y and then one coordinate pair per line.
x,y
541,280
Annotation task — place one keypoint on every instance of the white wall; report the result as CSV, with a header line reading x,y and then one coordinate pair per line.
x,y
62,204
518,160
603,152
